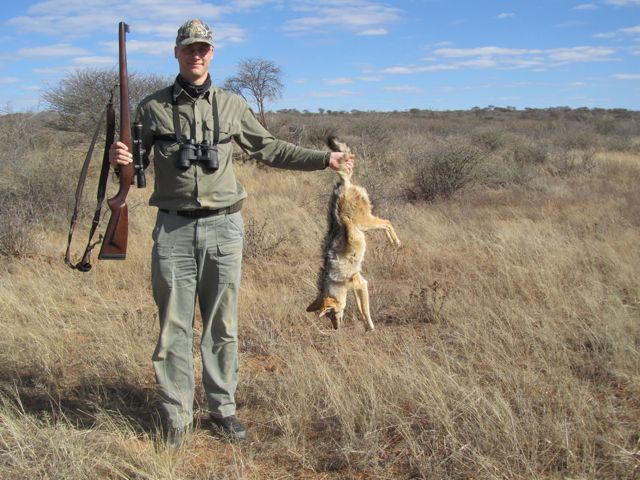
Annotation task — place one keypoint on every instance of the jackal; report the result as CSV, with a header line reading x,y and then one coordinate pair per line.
x,y
344,248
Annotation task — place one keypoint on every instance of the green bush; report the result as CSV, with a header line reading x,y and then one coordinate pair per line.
x,y
573,161
530,152
36,191
490,140
445,170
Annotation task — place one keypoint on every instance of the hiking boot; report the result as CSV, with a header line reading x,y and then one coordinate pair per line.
x,y
175,436
230,426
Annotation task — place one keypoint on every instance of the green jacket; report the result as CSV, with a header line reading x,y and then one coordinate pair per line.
x,y
195,187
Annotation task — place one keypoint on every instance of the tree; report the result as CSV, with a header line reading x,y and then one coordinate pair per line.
x,y
260,80
80,97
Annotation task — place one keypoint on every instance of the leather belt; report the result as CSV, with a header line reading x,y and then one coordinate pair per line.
x,y
205,212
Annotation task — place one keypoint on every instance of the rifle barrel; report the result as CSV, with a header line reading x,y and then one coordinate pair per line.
x,y
114,244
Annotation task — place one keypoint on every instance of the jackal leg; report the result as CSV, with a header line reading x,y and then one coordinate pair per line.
x,y
371,222
361,291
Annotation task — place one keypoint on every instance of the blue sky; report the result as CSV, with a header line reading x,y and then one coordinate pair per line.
x,y
350,54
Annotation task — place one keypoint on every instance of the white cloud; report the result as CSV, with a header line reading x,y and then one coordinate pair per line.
x,y
628,31
148,47
493,57
56,50
403,89
631,30
95,61
482,62
401,70
339,81
406,70
9,80
349,80
335,93
363,17
527,57
481,51
580,54
53,70
571,24
627,76
81,18
623,3
457,22
374,32
586,6
245,4
502,16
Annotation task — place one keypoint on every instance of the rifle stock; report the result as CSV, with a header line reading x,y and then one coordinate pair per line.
x,y
114,244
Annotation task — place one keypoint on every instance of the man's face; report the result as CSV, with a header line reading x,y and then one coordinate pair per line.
x,y
194,61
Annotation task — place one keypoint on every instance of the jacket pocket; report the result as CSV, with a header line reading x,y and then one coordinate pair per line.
x,y
229,248
226,130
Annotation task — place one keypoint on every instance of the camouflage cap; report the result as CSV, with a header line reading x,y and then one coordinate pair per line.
x,y
194,31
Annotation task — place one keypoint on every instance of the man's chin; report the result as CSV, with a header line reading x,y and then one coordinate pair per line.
x,y
193,76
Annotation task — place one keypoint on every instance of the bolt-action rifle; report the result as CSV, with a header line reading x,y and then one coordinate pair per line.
x,y
114,244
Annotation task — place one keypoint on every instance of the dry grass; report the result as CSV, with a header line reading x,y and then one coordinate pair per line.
x,y
507,343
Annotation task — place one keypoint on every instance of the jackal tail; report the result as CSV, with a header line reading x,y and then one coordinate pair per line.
x,y
335,145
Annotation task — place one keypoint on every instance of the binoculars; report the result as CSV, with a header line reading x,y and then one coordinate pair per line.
x,y
203,153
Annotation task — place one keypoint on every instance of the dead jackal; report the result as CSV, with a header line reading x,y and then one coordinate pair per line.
x,y
349,217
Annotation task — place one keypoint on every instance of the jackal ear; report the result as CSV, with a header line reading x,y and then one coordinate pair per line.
x,y
323,305
315,306
329,304
326,309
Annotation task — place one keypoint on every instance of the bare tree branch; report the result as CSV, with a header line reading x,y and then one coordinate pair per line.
x,y
259,80
80,97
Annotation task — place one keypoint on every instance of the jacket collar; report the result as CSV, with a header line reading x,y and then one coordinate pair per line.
x,y
179,92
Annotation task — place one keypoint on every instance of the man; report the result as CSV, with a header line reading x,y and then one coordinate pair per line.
x,y
198,236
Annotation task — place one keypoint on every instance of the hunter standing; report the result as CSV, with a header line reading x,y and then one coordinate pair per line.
x,y
198,235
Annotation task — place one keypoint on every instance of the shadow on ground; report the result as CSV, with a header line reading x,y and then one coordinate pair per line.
x,y
82,405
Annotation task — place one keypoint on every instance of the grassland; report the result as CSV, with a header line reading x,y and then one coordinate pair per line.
x,y
508,324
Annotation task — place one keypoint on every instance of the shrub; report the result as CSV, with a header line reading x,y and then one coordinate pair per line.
x,y
490,140
574,161
529,152
36,190
574,136
605,125
260,242
445,170
16,222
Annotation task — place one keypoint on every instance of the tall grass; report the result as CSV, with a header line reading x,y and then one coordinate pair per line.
x,y
507,326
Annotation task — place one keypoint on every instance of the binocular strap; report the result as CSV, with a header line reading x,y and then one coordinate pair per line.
x,y
214,112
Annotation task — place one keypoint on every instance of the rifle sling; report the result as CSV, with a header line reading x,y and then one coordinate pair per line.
x,y
84,265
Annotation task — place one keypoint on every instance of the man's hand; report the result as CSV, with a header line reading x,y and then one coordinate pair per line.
x,y
119,154
340,161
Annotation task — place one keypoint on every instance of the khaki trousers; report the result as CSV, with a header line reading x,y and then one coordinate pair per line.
x,y
197,259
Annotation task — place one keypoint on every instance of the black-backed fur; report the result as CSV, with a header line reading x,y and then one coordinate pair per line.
x,y
332,143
